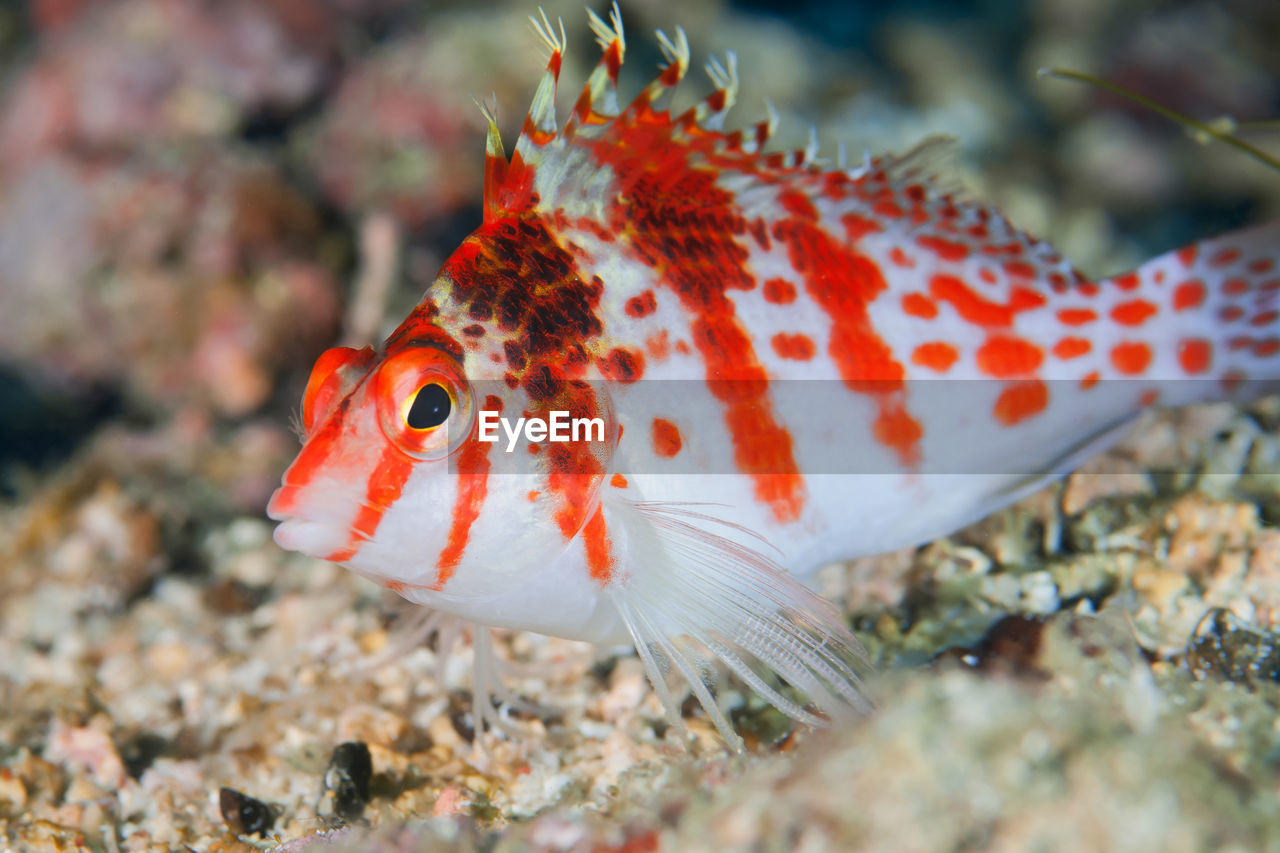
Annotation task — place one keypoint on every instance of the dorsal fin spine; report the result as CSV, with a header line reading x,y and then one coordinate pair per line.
x,y
540,124
599,99
676,53
708,114
495,160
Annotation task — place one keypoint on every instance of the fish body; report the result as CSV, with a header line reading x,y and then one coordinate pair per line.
x,y
774,365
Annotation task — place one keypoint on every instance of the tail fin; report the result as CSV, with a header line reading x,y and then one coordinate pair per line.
x,y
1202,322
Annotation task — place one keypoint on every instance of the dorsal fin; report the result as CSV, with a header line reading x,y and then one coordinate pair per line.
x,y
551,168
709,113
676,53
540,123
599,99
495,160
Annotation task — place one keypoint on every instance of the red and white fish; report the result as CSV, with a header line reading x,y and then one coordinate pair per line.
x,y
757,343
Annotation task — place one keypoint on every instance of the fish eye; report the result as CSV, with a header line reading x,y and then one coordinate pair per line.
x,y
430,407
424,402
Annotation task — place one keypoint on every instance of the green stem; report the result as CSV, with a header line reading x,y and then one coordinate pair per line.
x,y
1172,115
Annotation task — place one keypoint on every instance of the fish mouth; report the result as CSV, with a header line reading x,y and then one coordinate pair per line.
x,y
280,507
296,532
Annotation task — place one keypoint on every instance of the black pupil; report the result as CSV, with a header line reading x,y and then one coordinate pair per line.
x,y
430,407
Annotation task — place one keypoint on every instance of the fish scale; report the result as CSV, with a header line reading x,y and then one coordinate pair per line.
x,y
790,364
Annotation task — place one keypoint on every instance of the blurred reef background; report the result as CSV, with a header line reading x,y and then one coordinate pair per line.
x,y
192,194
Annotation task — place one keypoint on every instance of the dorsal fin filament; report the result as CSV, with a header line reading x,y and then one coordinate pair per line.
x,y
709,113
495,162
540,124
676,53
598,102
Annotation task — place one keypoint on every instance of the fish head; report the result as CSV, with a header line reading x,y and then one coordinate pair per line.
x,y
428,481
374,426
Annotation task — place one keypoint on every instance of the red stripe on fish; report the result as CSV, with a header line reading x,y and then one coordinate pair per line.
x,y
843,283
472,483
664,206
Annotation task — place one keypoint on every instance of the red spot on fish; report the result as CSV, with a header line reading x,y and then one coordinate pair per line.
x,y
618,481
796,347
1225,257
1021,400
1131,357
935,355
595,540
1240,342
1089,380
977,309
1187,255
1148,398
779,291
1135,312
797,204
1194,354
1076,316
888,209
1007,358
899,258
666,438
1068,348
1231,313
1189,294
856,227
1266,347
987,275
919,305
1128,281
533,495
1261,266
658,345
835,185
760,232
895,428
642,305
1235,287
1266,318
621,365
1019,269
944,249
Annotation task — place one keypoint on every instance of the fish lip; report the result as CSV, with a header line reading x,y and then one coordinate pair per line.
x,y
279,507
296,531
304,536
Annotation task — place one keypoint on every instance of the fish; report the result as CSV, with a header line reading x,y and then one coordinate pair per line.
x,y
673,373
